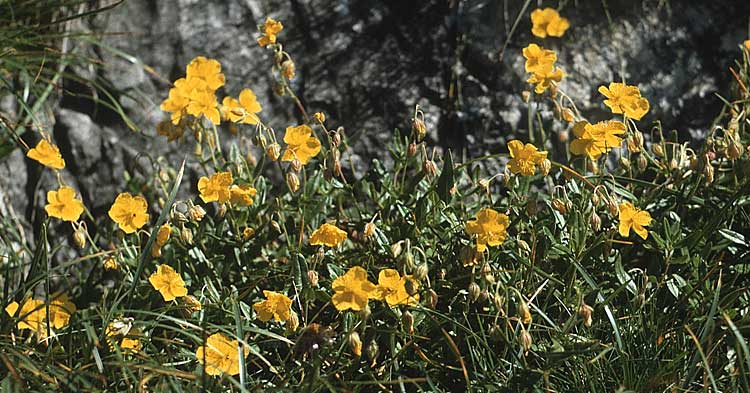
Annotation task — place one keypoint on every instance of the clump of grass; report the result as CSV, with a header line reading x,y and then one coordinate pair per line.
x,y
581,275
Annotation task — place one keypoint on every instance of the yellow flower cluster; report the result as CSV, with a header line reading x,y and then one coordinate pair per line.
x,y
270,29
353,290
33,314
219,188
327,235
490,228
168,282
540,63
593,140
624,99
548,22
195,94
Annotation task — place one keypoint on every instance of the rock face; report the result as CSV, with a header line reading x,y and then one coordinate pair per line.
x,y
366,64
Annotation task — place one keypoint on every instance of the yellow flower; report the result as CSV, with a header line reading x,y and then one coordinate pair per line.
x,y
60,310
179,97
219,355
320,117
110,263
524,158
31,316
243,111
622,98
162,236
352,290
594,140
632,217
203,103
392,288
130,342
209,70
548,22
301,144
270,29
490,227
747,44
241,195
215,188
538,57
544,76
168,282
129,212
63,204
327,235
47,154
277,306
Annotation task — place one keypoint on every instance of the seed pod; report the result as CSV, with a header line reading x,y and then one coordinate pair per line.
x,y
196,213
614,210
288,69
429,168
419,128
296,165
275,226
708,172
585,311
396,249
474,292
292,181
369,230
484,296
186,235
624,163
420,273
355,344
79,236
336,138
273,151
191,304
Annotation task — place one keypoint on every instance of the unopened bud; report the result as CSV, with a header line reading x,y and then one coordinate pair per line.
x,y
79,236
110,263
273,151
418,128
524,339
523,247
614,210
474,291
196,213
288,69
429,168
248,233
596,222
734,151
355,344
259,140
641,162
559,205
191,303
585,311
420,273
545,166
624,163
292,323
186,235
411,151
673,164
638,139
524,313
568,115
525,96
275,226
396,249
372,350
411,287
563,136
336,138
369,230
222,211
633,145
292,181
708,172
296,165
595,198
433,298
312,278
407,319
657,150
320,117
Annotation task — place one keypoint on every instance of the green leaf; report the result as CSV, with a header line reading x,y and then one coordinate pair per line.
x,y
446,180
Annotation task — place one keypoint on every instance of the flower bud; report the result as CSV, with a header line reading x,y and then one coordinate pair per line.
x,y
624,163
292,324
592,166
273,151
524,314
708,172
336,137
484,296
657,150
614,210
545,166
222,211
641,162
196,213
186,235
410,287
288,69
596,222
563,136
585,311
292,181
248,233
638,139
523,247
320,117
734,151
524,339
191,304
407,319
79,236
525,96
673,164
409,261
595,198
275,226
259,140
312,278
411,151
396,249
568,115
110,263
499,302
369,230
559,205
433,298
418,128
632,145
372,350
474,292
429,168
337,168
355,344
365,313
420,273
156,251
469,256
